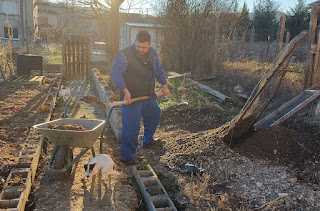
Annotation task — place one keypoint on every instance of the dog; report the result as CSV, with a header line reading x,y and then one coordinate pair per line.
x,y
65,93
100,162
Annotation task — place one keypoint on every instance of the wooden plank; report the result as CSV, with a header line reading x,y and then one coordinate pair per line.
x,y
68,60
173,75
18,78
88,58
78,59
34,78
38,79
287,38
296,109
81,60
73,72
312,30
216,43
316,76
243,45
306,97
65,57
211,91
282,27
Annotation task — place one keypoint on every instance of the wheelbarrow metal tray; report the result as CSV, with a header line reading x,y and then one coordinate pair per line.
x,y
72,138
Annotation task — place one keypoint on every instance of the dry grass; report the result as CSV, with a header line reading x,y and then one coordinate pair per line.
x,y
6,59
206,193
249,66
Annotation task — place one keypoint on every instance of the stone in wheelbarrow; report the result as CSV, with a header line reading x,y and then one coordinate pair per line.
x,y
72,138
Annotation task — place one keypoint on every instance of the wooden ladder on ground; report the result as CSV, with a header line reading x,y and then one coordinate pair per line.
x,y
155,196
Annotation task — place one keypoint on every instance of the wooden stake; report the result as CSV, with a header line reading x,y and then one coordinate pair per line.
x,y
312,35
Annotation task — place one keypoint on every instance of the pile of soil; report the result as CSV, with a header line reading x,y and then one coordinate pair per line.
x,y
277,143
186,117
93,100
67,127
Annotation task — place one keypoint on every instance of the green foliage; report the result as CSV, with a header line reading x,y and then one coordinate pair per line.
x,y
184,91
298,18
244,20
264,22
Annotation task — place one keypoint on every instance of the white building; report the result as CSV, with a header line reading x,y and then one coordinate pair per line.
x,y
17,19
129,31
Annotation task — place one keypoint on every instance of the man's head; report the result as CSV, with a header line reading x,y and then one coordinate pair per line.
x,y
143,42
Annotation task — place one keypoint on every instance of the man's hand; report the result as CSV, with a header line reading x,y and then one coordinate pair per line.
x,y
127,96
165,91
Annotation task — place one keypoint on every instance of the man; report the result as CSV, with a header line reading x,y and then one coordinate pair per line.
x,y
134,72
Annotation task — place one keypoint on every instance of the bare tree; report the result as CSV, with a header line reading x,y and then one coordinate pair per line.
x,y
197,34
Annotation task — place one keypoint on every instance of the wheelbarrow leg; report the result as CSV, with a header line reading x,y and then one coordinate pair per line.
x,y
76,159
93,152
52,156
104,128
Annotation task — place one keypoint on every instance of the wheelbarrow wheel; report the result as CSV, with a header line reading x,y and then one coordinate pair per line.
x,y
61,158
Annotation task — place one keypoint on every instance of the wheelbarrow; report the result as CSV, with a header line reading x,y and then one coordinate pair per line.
x,y
65,140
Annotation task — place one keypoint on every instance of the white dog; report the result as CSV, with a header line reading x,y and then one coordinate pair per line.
x,y
100,162
65,92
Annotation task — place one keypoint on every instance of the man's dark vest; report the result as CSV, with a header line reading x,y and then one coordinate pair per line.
x,y
139,77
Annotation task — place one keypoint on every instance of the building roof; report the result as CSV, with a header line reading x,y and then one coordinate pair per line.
x,y
145,25
313,3
48,11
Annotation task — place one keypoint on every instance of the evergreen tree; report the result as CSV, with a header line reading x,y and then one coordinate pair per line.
x,y
298,18
244,20
264,21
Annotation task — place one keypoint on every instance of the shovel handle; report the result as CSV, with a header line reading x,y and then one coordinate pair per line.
x,y
109,105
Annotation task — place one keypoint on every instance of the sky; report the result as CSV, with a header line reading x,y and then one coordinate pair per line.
x,y
284,4
143,6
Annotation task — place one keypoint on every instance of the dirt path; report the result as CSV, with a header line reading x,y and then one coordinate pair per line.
x,y
19,103
115,193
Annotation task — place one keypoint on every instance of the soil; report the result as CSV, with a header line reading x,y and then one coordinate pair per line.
x,y
188,136
19,104
67,127
93,100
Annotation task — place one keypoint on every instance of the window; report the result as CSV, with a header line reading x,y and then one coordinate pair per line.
x,y
10,7
14,32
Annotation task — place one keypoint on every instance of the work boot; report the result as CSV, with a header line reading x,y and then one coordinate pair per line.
x,y
128,162
156,140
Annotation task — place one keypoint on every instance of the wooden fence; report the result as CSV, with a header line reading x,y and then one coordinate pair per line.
x,y
77,58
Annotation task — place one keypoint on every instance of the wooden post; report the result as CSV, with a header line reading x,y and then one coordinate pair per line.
x,y
268,49
88,58
215,47
282,26
69,60
287,38
243,45
312,37
78,59
22,6
65,58
316,76
82,60
73,72
115,27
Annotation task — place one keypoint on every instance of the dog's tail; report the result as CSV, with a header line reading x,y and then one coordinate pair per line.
x,y
116,172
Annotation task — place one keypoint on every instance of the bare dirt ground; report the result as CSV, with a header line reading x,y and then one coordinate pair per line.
x,y
270,169
19,103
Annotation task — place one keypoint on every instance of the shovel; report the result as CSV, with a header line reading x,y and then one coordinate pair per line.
x,y
92,100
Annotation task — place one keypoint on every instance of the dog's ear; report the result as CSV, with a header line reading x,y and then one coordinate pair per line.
x,y
85,166
91,167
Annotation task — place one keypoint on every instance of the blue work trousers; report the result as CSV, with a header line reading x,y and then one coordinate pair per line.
x,y
131,115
